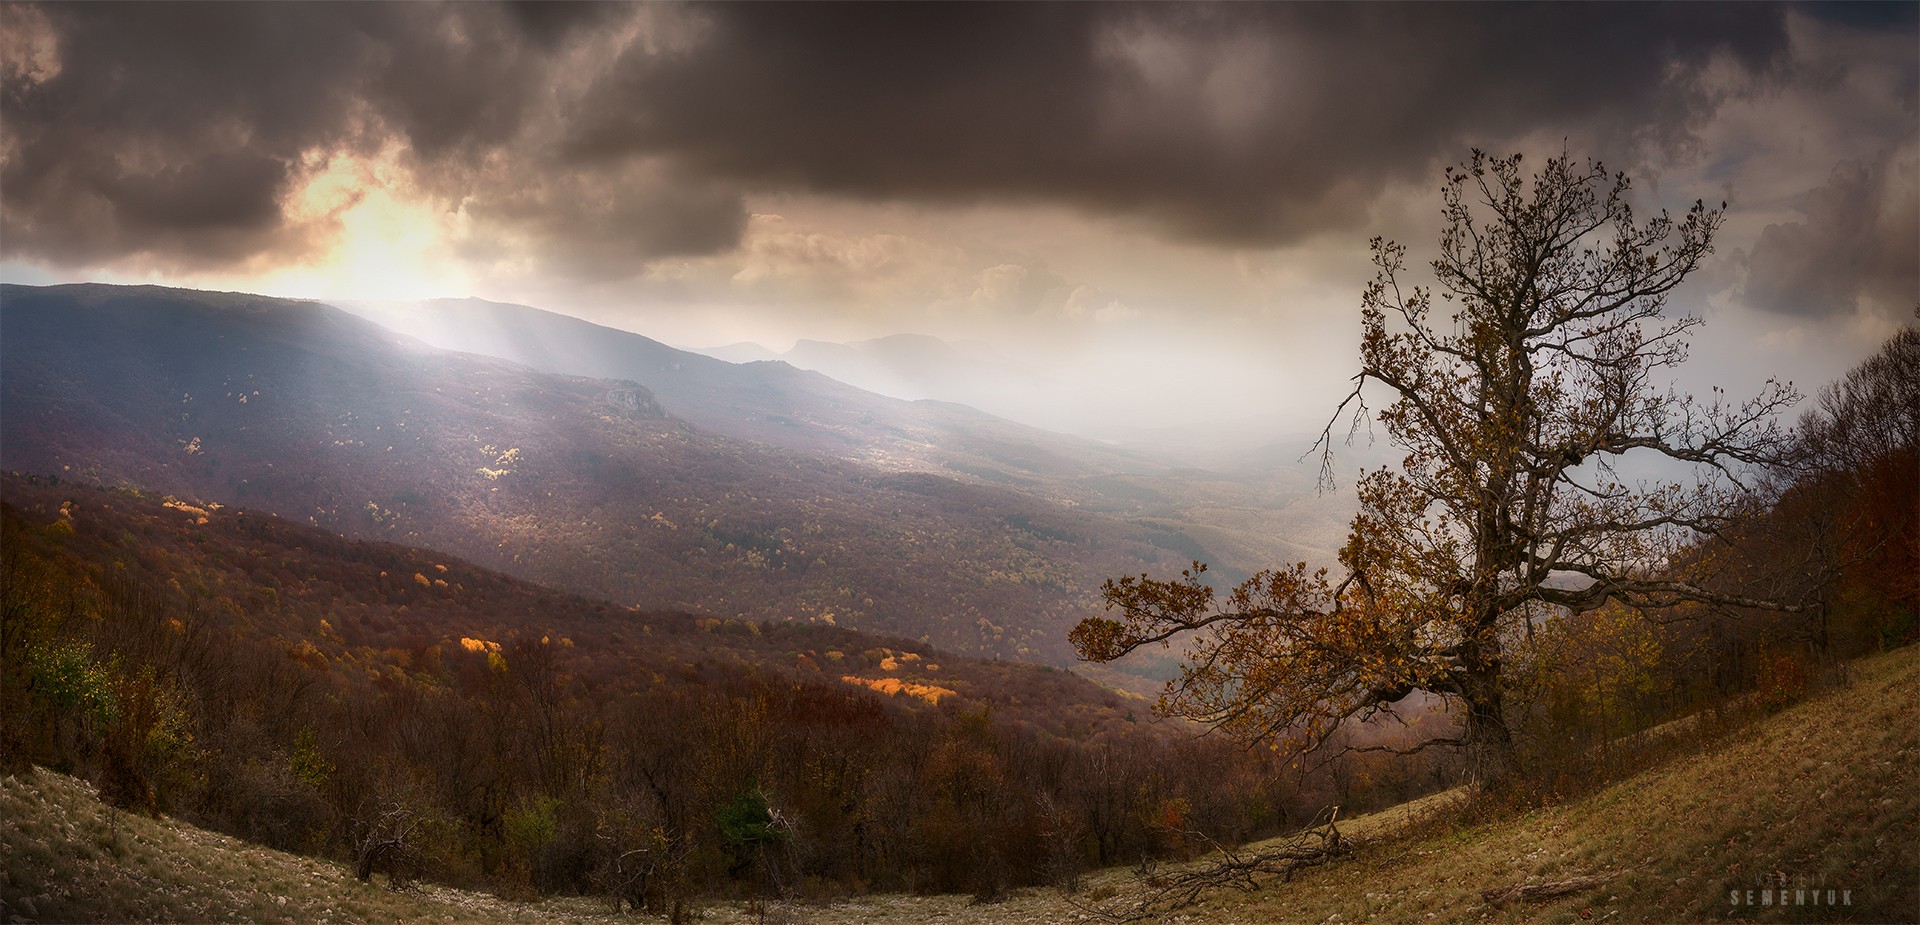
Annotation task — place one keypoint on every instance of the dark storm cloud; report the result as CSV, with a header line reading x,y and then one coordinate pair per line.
x,y
222,190
1250,123
595,227
116,142
178,131
550,22
1867,15
1857,250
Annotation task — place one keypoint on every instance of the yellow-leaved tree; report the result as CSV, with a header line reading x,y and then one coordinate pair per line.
x,y
1515,409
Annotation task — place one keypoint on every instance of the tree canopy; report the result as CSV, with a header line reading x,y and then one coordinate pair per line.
x,y
1516,409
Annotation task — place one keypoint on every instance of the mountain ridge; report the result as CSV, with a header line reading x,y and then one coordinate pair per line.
x,y
778,403
585,484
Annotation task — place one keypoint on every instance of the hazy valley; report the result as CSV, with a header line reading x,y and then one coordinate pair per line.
x,y
672,481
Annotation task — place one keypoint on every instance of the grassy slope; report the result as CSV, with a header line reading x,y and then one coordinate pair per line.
x,y
1827,791
70,858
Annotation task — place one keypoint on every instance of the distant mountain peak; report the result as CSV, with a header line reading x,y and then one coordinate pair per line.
x,y
745,351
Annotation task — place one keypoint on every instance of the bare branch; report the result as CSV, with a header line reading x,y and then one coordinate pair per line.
x,y
1319,844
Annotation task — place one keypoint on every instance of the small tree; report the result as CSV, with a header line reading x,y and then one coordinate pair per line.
x,y
1513,415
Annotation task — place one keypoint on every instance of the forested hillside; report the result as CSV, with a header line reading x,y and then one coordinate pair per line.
x,y
584,484
1691,840
309,692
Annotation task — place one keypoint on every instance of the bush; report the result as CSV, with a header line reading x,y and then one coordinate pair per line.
x,y
1782,681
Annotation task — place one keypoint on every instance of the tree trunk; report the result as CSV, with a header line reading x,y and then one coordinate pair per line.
x,y
1489,745
363,865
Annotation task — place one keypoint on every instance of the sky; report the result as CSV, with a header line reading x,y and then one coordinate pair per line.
x,y
1158,214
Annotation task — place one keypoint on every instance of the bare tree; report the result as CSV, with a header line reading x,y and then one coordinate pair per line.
x,y
1514,413
384,839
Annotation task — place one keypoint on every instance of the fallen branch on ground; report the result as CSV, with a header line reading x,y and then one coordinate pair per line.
x,y
1541,892
1319,843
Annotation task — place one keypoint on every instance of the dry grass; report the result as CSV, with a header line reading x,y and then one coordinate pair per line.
x,y
70,858
1823,794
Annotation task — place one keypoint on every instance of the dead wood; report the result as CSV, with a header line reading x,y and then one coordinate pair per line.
x,y
1318,844
1541,892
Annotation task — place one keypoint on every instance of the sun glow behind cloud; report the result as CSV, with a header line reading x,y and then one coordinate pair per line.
x,y
373,237
384,241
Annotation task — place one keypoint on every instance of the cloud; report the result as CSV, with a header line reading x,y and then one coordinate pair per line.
x,y
599,138
182,135
600,225
1007,289
790,264
1253,124
1088,302
1857,250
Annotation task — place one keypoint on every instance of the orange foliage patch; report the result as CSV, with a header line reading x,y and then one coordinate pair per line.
x,y
198,513
894,687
